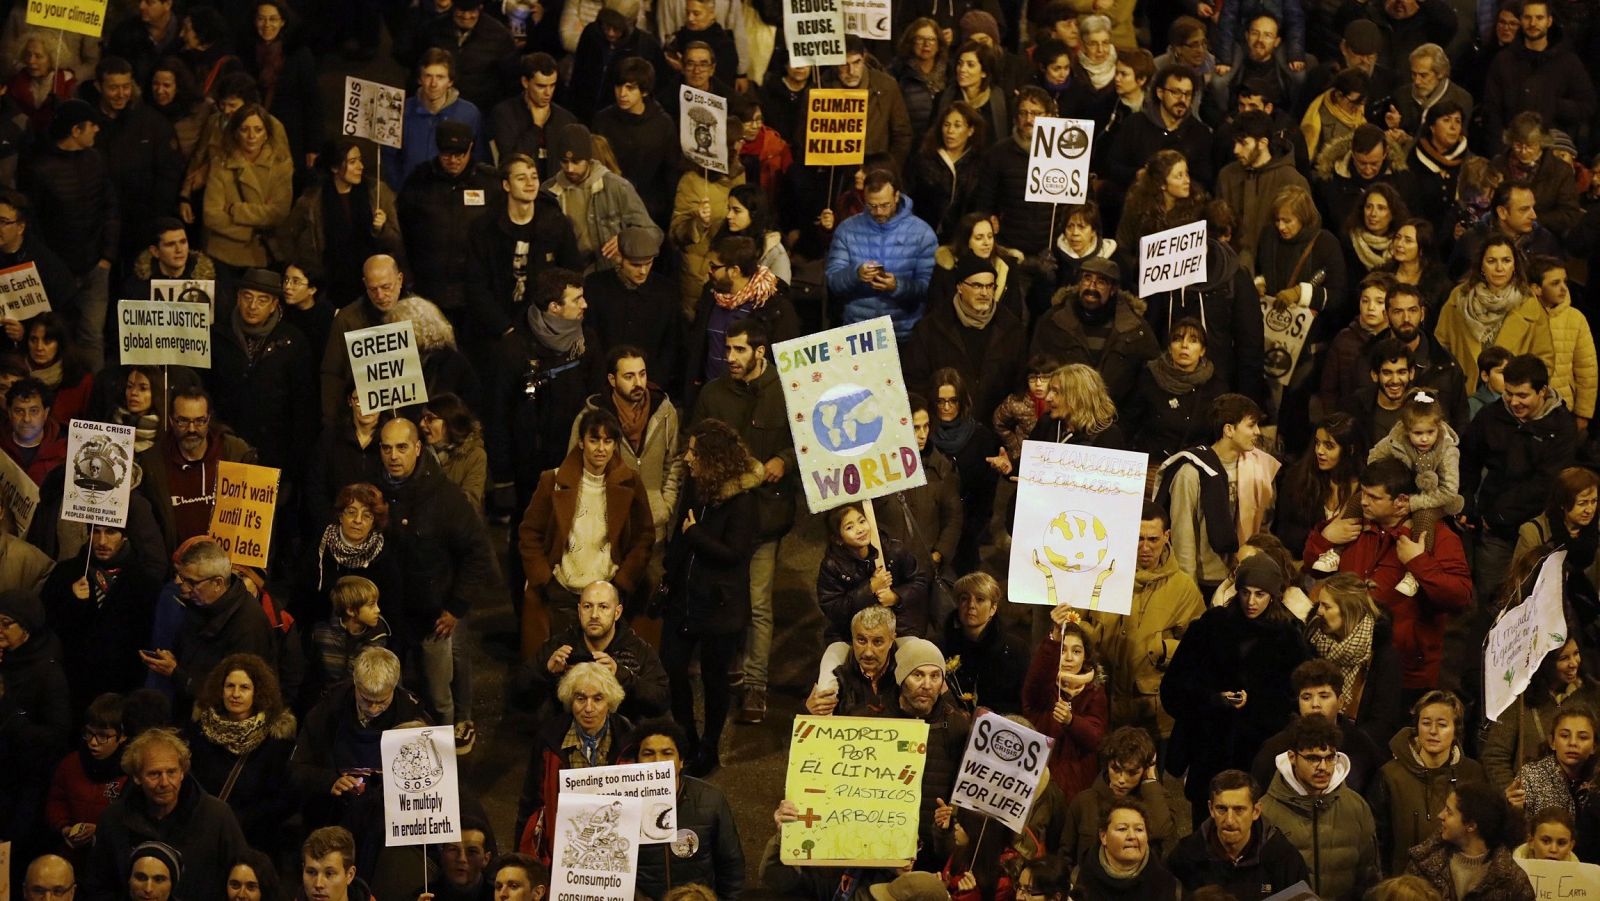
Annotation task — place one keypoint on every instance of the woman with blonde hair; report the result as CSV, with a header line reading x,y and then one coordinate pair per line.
x,y
1081,410
248,192
1351,631
40,84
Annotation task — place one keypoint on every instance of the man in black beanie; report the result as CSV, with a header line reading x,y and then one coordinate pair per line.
x,y
598,202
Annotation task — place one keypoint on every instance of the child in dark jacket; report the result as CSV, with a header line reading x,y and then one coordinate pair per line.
x,y
357,624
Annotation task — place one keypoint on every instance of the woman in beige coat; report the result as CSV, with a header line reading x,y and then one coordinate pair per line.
x,y
248,192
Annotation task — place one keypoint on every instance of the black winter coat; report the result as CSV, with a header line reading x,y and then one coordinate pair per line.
x,y
528,435
446,561
201,828
639,670
271,400
511,127
1001,186
594,70
148,170
992,668
1508,467
844,587
296,102
436,221
714,860
1229,307
481,61
1551,82
332,740
58,281
1130,345
1095,884
36,684
940,196
647,317
234,624
260,798
646,147
491,275
939,340
708,566
1268,865
1142,135
339,460
1277,261
101,649
1163,423
76,207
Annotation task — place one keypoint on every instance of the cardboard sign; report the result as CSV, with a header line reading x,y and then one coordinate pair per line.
x,y
1521,638
848,414
374,111
703,128
100,473
814,32
857,782
387,367
186,290
241,520
596,850
1170,259
18,494
156,333
1075,537
77,16
1001,769
654,784
869,20
1558,879
836,126
1058,163
22,292
421,797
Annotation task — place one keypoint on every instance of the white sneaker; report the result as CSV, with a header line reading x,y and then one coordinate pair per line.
x,y
1327,562
1408,586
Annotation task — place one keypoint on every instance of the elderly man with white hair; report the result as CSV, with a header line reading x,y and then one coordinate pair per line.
x,y
220,617
1430,84
588,733
339,738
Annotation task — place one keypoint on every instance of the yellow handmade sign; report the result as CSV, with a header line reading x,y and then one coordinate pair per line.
x,y
836,127
241,521
857,783
77,16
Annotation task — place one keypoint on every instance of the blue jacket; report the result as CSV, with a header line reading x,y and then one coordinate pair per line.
x,y
417,142
904,245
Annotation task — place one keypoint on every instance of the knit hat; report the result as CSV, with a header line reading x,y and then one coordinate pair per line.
x,y
23,608
1259,571
970,264
1103,267
911,653
169,856
70,115
1362,37
262,280
452,137
912,887
1557,139
574,139
637,243
977,21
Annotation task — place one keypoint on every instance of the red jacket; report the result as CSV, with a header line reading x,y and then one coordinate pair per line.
x,y
1074,761
52,450
76,797
1419,621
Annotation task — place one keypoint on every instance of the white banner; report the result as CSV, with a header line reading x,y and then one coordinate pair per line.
x,y
155,333
100,473
703,129
1285,332
18,494
1170,259
869,20
596,851
814,32
1000,771
186,290
22,292
387,367
1521,638
1058,164
1075,539
421,797
654,784
1560,879
373,111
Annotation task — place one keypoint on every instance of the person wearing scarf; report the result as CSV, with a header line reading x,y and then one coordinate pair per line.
x,y
738,287
1436,159
1170,408
558,333
1123,867
349,554
1494,306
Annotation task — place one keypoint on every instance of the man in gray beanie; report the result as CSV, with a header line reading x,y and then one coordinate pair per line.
x,y
919,667
598,202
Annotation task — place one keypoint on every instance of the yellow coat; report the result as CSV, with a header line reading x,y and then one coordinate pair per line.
x,y
245,204
1526,330
1576,374
693,238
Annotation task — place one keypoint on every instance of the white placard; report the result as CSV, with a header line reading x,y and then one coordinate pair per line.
x,y
18,494
99,473
654,784
155,333
1058,163
1521,638
1001,770
22,292
596,850
814,32
1560,879
373,111
1170,259
421,797
1285,331
186,290
870,20
703,128
1075,538
387,367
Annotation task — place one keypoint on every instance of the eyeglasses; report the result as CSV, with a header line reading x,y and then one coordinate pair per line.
x,y
1178,95
100,737
186,422
884,207
192,584
947,402
982,287
293,281
1318,760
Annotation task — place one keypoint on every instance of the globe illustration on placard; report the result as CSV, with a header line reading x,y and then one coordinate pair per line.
x,y
1076,542
846,420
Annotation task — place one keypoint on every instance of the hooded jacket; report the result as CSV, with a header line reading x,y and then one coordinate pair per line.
x,y
1229,307
1576,373
1250,192
1129,346
1080,835
1508,466
1267,865
1504,880
904,246
77,208
612,205
1340,184
1135,648
1142,135
1407,795
201,828
1332,831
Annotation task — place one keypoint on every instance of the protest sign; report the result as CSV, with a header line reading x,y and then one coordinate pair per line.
x,y
387,367
814,32
654,784
1170,259
703,128
857,783
1285,330
1300,891
22,292
155,333
868,19
1000,770
5,871
596,849
18,494
1075,538
241,519
100,457
186,290
77,16
1521,638
1058,163
836,126
421,797
848,414
1561,879
374,111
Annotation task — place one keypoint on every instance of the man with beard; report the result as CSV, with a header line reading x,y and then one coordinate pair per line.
x,y
881,259
739,288
858,687
1262,58
1377,408
1320,814
1232,849
526,123
602,635
102,607
1098,324
180,469
437,208
1252,181
633,303
1430,85
598,202
1537,74
1432,366
888,122
1165,125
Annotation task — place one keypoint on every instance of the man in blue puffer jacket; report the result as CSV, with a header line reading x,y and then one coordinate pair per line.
x,y
881,260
